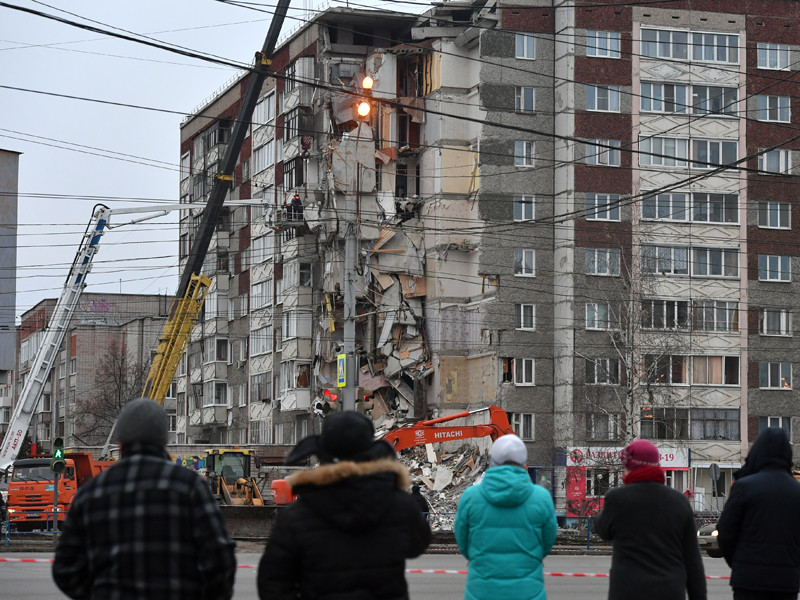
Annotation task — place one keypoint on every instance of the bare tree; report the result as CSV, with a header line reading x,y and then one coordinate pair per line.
x,y
118,380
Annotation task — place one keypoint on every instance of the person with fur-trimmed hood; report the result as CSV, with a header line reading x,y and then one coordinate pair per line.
x,y
353,525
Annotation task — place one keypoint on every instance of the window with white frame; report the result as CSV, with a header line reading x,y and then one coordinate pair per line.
x,y
715,262
603,426
602,371
665,43
186,168
773,56
598,315
774,108
293,375
525,316
259,159
710,154
715,370
603,44
524,153
524,371
602,261
525,99
715,47
242,394
604,98
775,215
215,393
715,424
522,424
715,100
665,314
774,321
667,369
663,151
715,315
265,110
525,46
775,375
602,207
261,387
715,208
774,268
296,324
261,249
62,370
216,349
524,262
261,340
603,152
524,208
671,206
664,98
73,366
774,161
261,294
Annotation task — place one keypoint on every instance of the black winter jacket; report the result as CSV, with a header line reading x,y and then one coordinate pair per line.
x,y
655,553
346,536
759,529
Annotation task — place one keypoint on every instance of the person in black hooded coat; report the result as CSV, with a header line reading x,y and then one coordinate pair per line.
x,y
759,529
353,526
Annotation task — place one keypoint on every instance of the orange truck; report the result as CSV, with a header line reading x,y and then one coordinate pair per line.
x,y
30,491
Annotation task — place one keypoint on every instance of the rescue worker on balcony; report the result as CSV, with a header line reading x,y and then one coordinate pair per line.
x,y
353,525
145,528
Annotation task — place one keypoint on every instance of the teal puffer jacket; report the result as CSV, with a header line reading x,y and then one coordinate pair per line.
x,y
505,526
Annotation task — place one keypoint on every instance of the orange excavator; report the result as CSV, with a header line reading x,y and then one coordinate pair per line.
x,y
426,432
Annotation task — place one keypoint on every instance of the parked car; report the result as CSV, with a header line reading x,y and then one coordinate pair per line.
x,y
707,540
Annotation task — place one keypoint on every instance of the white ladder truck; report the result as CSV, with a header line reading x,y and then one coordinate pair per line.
x,y
54,336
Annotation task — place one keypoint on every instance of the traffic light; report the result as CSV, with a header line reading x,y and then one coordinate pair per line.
x,y
364,106
58,463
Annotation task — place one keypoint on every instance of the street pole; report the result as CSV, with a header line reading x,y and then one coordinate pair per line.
x,y
57,477
350,258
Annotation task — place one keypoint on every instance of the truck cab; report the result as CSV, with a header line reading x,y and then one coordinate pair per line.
x,y
30,493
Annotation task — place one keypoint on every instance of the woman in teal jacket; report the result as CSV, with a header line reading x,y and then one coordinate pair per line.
x,y
505,526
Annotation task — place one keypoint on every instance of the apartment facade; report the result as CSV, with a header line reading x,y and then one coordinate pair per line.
x,y
582,214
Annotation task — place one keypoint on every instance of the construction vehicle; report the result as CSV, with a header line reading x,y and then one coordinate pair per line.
x,y
228,473
426,432
31,489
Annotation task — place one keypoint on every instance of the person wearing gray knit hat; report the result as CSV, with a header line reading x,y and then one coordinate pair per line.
x,y
143,420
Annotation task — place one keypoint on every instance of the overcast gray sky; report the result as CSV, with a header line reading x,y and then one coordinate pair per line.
x,y
76,153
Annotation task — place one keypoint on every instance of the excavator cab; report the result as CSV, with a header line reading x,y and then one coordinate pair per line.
x,y
228,471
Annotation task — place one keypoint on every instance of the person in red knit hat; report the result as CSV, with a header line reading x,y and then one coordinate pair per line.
x,y
652,530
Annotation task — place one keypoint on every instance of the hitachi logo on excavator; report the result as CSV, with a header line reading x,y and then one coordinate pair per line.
x,y
447,434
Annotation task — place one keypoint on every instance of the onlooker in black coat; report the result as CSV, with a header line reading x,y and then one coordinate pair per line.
x,y
759,529
652,529
424,507
353,525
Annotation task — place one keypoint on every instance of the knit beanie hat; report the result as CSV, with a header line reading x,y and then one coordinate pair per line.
x,y
640,453
508,448
143,420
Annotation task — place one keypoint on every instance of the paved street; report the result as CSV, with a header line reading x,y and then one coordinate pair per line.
x,y
31,581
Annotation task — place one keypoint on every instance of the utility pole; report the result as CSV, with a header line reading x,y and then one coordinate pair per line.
x,y
350,258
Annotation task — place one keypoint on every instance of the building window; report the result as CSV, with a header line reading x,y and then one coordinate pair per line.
x,y
774,108
522,424
290,74
602,371
715,262
598,315
260,159
665,260
291,124
715,424
603,152
665,314
293,173
523,371
775,215
602,207
261,387
664,423
672,206
784,423
774,321
524,153
658,43
774,268
664,98
603,426
525,316
715,370
665,369
716,315
525,46
261,340
523,208
715,47
714,100
710,154
261,293
602,261
602,44
774,161
599,481
603,98
525,99
715,208
663,151
524,263
215,393
261,249
265,110
62,370
775,375
73,366
773,56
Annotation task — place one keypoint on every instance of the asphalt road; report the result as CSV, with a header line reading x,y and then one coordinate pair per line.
x,y
31,580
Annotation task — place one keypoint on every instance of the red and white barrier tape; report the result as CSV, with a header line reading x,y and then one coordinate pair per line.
x,y
410,571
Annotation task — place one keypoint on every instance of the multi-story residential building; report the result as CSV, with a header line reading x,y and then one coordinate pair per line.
x,y
580,213
102,364
9,181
